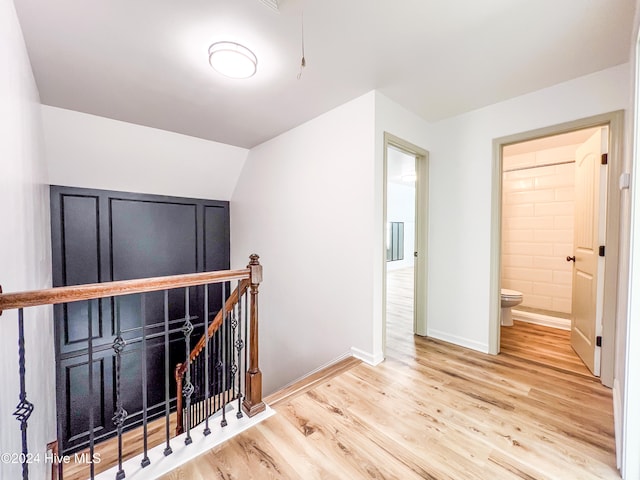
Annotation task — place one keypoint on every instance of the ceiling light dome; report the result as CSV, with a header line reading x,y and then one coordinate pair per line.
x,y
233,60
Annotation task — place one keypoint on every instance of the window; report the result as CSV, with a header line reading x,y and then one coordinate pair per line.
x,y
395,241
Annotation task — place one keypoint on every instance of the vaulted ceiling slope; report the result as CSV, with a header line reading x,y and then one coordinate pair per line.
x,y
146,62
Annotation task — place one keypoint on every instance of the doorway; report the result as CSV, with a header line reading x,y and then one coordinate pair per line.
x,y
547,209
405,236
511,155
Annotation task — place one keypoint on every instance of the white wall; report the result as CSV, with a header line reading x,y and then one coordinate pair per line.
x,y
310,203
87,151
401,207
304,203
25,262
460,195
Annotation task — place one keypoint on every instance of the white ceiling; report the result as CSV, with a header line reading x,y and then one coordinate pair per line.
x,y
145,61
555,141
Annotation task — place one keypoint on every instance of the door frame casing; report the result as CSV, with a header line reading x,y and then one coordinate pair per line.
x,y
614,120
420,241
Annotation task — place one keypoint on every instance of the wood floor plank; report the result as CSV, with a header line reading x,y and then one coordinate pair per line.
x,y
432,410
537,343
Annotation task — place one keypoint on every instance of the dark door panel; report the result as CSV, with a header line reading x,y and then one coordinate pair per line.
x,y
143,233
99,236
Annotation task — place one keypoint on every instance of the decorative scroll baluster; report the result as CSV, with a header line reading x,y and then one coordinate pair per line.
x,y
24,409
167,397
143,319
188,388
120,414
253,391
218,373
223,422
207,409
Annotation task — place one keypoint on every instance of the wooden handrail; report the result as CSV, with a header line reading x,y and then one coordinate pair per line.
x,y
53,296
250,278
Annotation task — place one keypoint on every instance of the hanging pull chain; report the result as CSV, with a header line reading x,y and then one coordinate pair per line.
x,y
303,62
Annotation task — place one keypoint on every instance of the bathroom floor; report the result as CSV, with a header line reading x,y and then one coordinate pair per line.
x,y
545,345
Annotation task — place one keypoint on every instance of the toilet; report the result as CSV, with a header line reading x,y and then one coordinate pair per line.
x,y
508,299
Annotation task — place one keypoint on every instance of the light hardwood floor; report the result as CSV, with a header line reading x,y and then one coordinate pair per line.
x,y
108,450
430,410
537,343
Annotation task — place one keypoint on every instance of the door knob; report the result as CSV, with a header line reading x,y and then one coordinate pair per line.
x,y
571,259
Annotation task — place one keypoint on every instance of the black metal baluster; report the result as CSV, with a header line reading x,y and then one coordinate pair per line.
x,y
203,387
167,398
24,407
59,430
199,385
207,407
120,414
200,389
194,381
187,390
196,384
212,375
218,369
223,423
233,345
240,346
194,397
91,398
143,318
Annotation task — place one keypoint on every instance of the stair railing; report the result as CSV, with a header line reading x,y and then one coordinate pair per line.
x,y
249,280
211,379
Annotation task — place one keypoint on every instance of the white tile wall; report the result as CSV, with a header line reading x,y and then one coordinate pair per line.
x,y
537,227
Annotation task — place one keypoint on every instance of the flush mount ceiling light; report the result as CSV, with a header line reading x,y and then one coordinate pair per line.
x,y
233,60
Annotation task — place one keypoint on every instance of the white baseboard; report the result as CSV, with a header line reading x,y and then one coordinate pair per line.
x,y
316,370
617,421
539,319
372,359
461,341
160,465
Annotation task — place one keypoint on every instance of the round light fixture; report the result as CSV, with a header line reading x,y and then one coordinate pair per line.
x,y
233,60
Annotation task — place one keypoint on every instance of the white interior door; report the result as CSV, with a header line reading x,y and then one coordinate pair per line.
x,y
586,321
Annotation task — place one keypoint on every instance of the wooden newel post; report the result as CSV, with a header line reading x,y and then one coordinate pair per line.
x,y
252,403
178,376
